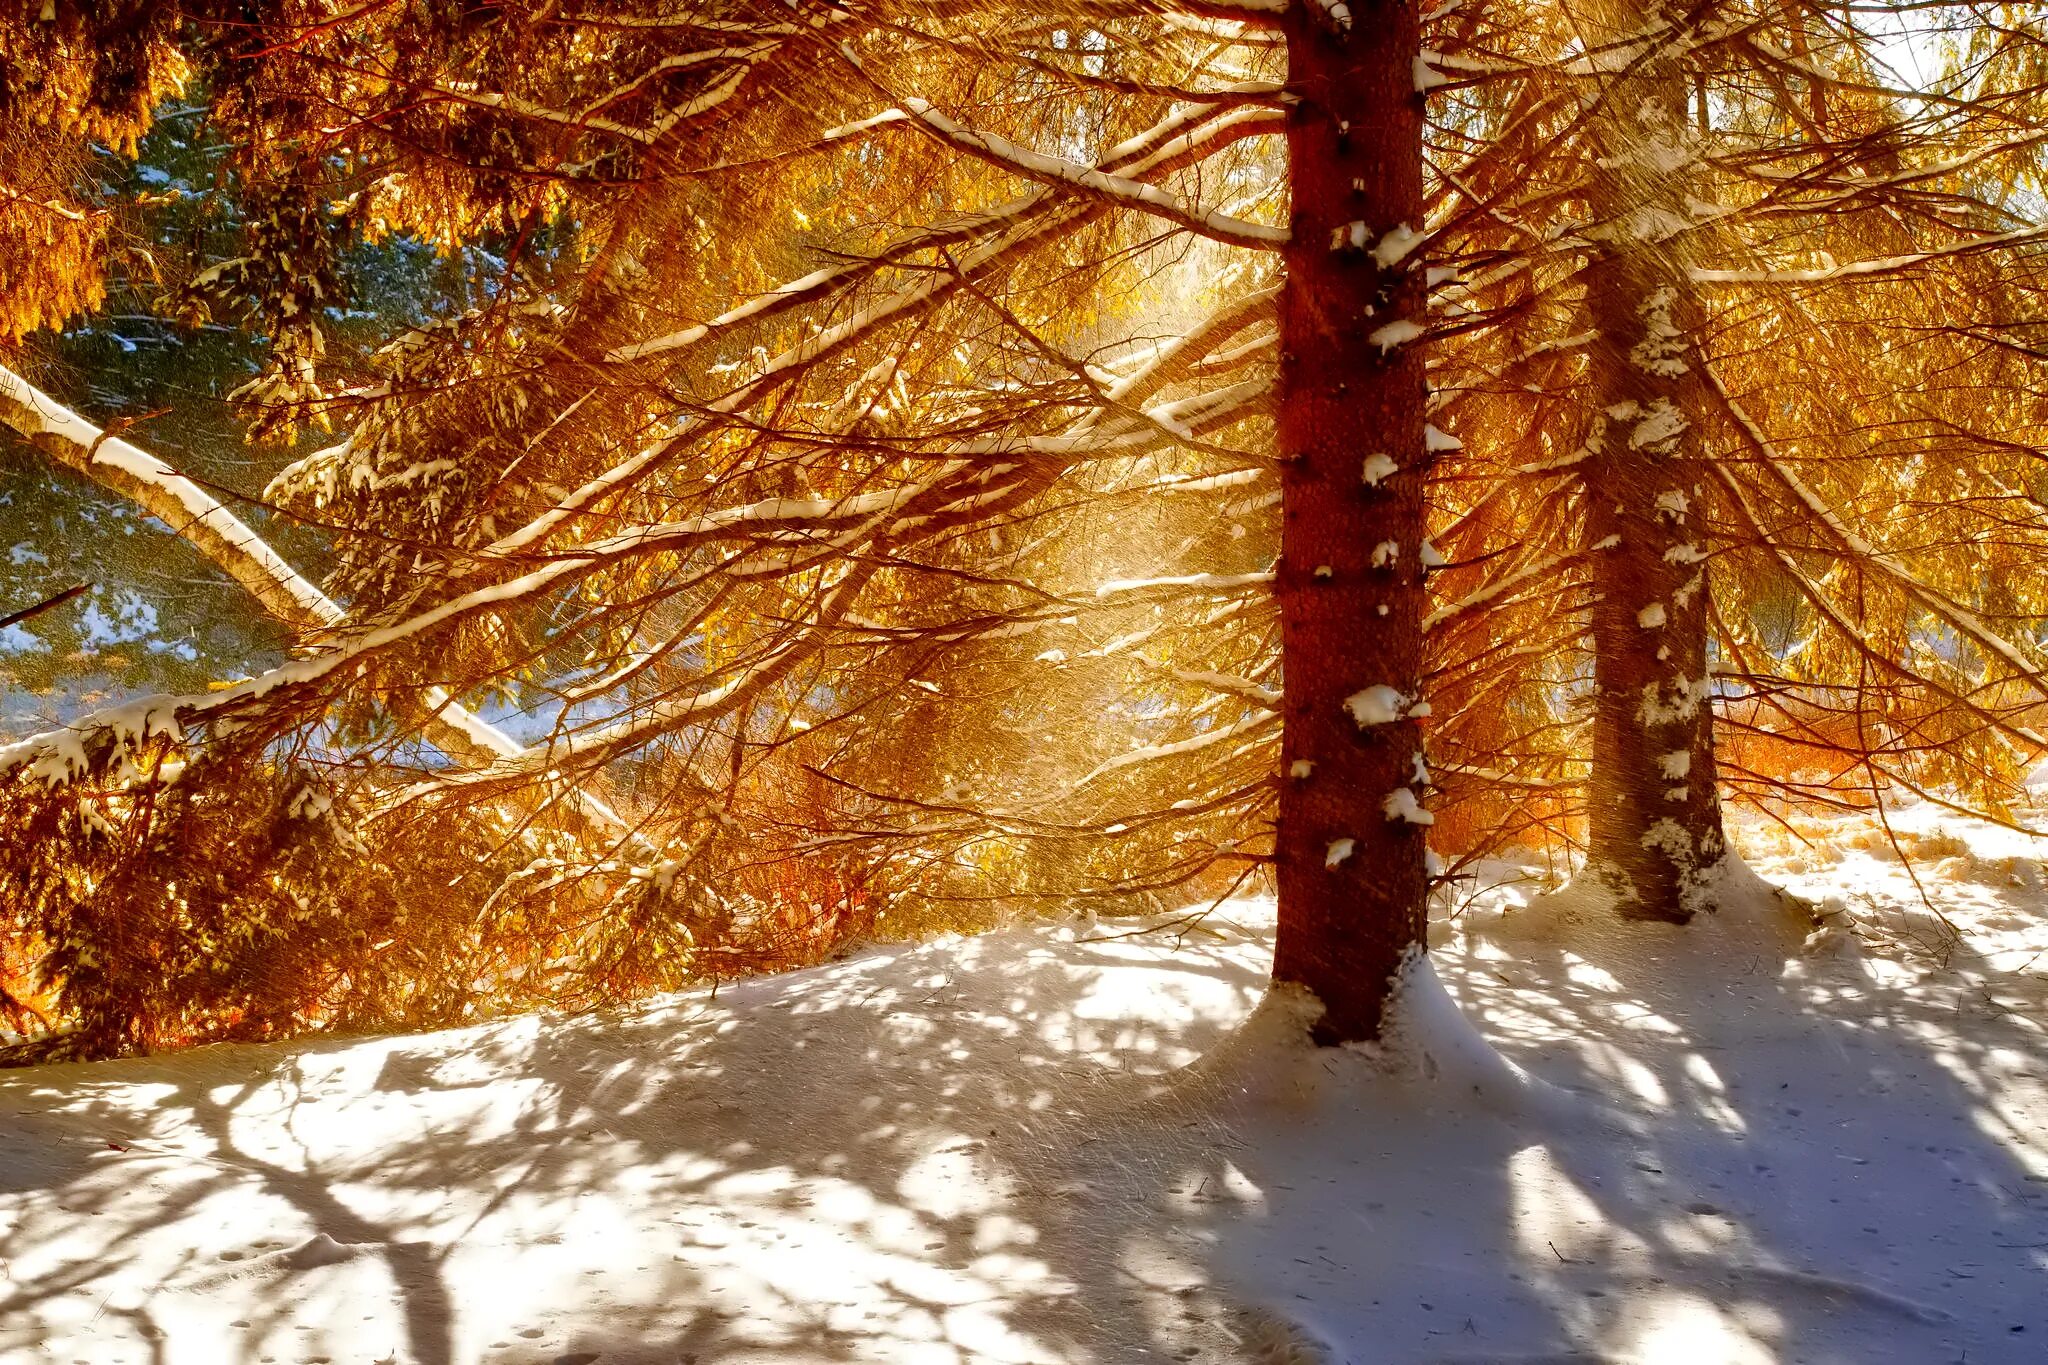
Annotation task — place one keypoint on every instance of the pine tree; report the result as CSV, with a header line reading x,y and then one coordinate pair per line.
x,y
1653,805
707,547
1725,223
894,466
1354,552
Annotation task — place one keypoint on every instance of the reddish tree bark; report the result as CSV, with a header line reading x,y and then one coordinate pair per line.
x,y
1352,882
1654,810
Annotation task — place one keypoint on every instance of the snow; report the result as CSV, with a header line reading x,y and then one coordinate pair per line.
x,y
1883,265
1069,1142
1229,682
716,93
1378,467
1669,838
1402,806
1152,753
1661,352
1669,703
1659,427
1237,478
1377,705
1651,617
1338,851
1427,77
1431,1033
1396,246
1393,334
1118,189
1200,582
57,757
1539,567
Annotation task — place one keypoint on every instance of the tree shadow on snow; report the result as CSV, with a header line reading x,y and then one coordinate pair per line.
x,y
1822,1162
981,1151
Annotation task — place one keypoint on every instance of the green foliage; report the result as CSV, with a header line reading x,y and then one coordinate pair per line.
x,y
180,332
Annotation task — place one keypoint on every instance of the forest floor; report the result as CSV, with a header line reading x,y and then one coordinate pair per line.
x,y
1714,1146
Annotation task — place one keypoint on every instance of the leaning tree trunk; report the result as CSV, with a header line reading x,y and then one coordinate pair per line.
x,y
1655,815
232,546
1350,841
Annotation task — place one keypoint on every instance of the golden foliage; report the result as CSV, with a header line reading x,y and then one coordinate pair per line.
x,y
868,522
70,75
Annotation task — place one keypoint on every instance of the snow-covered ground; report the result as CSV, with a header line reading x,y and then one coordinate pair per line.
x,y
1715,1146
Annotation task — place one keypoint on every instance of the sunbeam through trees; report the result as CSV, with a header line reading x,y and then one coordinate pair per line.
x,y
534,508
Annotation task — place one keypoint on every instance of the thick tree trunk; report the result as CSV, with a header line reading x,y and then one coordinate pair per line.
x,y
1350,844
1655,811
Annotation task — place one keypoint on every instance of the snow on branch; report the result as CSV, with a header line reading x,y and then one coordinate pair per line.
x,y
822,283
189,510
967,484
600,742
959,490
740,62
1243,689
1959,617
297,674
1119,190
1154,752
1208,483
59,756
1495,588
1883,265
1174,140
231,544
962,488
1205,584
1174,359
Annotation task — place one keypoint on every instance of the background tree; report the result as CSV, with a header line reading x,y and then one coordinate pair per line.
x,y
1803,226
158,359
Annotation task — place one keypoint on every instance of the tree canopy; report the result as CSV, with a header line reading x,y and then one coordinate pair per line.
x,y
726,480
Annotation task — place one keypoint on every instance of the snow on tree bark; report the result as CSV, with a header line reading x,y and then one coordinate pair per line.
x,y
1654,808
1351,402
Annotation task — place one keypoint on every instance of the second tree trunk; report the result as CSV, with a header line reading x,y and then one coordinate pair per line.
x,y
1654,811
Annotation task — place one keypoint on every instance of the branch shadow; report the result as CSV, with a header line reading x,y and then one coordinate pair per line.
x,y
1819,1161
989,1150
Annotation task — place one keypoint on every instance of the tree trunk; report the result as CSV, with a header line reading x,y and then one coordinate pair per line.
x,y
230,544
1350,844
1655,811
